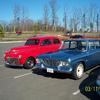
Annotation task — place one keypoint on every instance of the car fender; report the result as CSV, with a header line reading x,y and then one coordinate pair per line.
x,y
76,62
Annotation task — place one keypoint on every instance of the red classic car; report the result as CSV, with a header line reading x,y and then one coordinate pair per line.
x,y
26,55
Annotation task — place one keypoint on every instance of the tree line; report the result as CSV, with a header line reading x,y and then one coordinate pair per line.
x,y
80,20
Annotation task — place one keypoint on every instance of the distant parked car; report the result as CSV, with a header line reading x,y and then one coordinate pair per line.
x,y
18,32
68,33
78,56
76,36
26,55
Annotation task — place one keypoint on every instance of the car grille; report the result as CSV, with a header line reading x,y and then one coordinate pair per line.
x,y
13,60
51,62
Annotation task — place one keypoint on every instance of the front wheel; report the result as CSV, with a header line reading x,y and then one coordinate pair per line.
x,y
78,71
30,63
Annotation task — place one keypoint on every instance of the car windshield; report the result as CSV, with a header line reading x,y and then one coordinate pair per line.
x,y
32,42
77,45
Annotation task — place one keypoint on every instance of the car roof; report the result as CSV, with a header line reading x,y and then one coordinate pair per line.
x,y
42,37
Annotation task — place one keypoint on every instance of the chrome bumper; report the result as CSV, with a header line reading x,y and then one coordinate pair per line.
x,y
20,65
63,69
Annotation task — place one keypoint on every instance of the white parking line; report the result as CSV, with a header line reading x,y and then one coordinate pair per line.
x,y
76,92
19,76
12,41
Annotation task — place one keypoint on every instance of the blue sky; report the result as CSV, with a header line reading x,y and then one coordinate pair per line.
x,y
35,7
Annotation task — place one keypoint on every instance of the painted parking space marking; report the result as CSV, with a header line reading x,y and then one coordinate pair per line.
x,y
88,72
12,41
76,92
19,76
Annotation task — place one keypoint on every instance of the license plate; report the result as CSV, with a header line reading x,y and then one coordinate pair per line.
x,y
49,70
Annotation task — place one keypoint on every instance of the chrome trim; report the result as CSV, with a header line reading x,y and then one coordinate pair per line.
x,y
13,60
51,62
13,64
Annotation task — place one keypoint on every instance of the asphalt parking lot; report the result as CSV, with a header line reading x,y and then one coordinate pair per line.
x,y
21,84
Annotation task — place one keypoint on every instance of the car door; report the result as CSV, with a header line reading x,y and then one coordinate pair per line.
x,y
91,57
46,46
56,44
97,46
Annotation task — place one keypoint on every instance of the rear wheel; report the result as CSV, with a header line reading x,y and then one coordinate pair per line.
x,y
78,71
30,63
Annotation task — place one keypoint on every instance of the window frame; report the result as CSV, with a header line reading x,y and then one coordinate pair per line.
x,y
47,43
57,42
30,40
91,46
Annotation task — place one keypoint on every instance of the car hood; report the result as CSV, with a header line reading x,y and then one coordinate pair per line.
x,y
62,55
22,49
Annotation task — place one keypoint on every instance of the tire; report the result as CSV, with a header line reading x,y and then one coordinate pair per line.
x,y
30,63
78,71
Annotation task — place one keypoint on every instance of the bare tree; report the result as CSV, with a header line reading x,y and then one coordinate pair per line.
x,y
92,16
97,22
84,22
24,18
65,19
71,24
53,6
46,17
17,15
76,20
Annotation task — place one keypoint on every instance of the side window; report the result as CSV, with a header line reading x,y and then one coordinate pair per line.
x,y
56,41
66,44
46,42
91,45
97,44
73,44
82,45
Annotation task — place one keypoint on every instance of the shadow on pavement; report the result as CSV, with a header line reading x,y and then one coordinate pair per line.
x,y
14,67
52,75
88,86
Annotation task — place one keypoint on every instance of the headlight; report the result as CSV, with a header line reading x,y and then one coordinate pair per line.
x,y
63,63
20,56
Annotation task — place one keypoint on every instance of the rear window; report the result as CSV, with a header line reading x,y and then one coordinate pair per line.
x,y
79,45
91,45
66,44
97,44
56,41
32,42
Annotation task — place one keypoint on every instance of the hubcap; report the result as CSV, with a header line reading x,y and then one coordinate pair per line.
x,y
30,63
79,70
